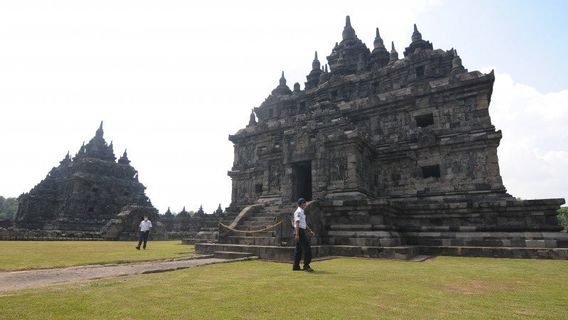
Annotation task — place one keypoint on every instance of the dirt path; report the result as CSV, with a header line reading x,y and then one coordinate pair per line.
x,y
17,280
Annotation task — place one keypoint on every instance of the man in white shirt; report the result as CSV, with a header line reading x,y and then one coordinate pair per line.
x,y
145,226
302,240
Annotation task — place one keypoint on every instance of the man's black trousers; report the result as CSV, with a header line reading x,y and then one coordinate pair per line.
x,y
303,246
143,238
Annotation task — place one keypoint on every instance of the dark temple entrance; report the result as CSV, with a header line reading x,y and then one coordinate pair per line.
x,y
302,180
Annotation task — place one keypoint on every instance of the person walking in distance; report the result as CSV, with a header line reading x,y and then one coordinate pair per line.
x,y
145,226
302,240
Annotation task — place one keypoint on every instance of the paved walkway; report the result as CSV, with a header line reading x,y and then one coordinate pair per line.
x,y
17,280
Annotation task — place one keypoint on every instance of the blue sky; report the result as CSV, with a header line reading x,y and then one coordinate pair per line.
x,y
173,78
526,39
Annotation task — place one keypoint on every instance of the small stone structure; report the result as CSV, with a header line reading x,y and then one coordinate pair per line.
x,y
81,195
192,226
398,152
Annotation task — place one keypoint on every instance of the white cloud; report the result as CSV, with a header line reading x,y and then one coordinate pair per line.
x,y
533,154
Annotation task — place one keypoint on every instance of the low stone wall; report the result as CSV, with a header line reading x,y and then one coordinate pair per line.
x,y
509,215
18,234
444,226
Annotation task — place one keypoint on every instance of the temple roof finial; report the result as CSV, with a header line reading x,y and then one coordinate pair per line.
x,y
393,53
252,118
378,43
124,159
416,35
282,88
100,131
417,44
316,64
348,31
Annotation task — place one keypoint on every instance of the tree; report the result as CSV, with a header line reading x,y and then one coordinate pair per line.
x,y
563,217
8,208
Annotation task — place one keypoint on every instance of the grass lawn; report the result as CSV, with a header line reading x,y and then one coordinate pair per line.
x,y
346,288
17,255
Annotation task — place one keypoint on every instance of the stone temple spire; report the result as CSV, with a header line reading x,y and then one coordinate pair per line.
x,y
417,43
100,131
282,88
345,56
380,55
348,31
393,53
252,118
66,160
313,77
416,35
316,63
98,148
378,43
124,158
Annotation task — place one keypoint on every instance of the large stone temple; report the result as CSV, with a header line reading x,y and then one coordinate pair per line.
x,y
85,193
398,153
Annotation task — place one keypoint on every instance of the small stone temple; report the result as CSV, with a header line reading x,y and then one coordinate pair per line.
x,y
84,193
396,150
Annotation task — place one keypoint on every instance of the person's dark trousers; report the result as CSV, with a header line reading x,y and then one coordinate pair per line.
x,y
143,238
303,246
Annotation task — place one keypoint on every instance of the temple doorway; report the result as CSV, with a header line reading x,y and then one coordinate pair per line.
x,y
302,180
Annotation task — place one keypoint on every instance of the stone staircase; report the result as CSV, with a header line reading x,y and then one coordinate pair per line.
x,y
362,235
257,218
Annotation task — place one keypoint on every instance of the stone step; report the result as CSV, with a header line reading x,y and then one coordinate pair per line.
x,y
365,234
285,254
491,242
257,241
497,252
362,241
359,227
232,254
487,235
270,233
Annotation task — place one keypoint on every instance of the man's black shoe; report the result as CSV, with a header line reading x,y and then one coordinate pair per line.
x,y
296,269
137,248
308,269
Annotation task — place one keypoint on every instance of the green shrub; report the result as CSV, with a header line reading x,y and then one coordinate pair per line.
x,y
8,208
563,217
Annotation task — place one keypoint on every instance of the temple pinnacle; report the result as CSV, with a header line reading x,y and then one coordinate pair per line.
x,y
100,131
348,31
393,54
316,64
416,35
378,43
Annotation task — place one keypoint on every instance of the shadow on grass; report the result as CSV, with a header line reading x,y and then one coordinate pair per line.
x,y
321,272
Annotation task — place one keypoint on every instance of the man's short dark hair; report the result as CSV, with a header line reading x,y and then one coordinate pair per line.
x,y
301,200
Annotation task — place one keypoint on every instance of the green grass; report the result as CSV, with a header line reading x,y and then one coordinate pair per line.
x,y
17,255
443,288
